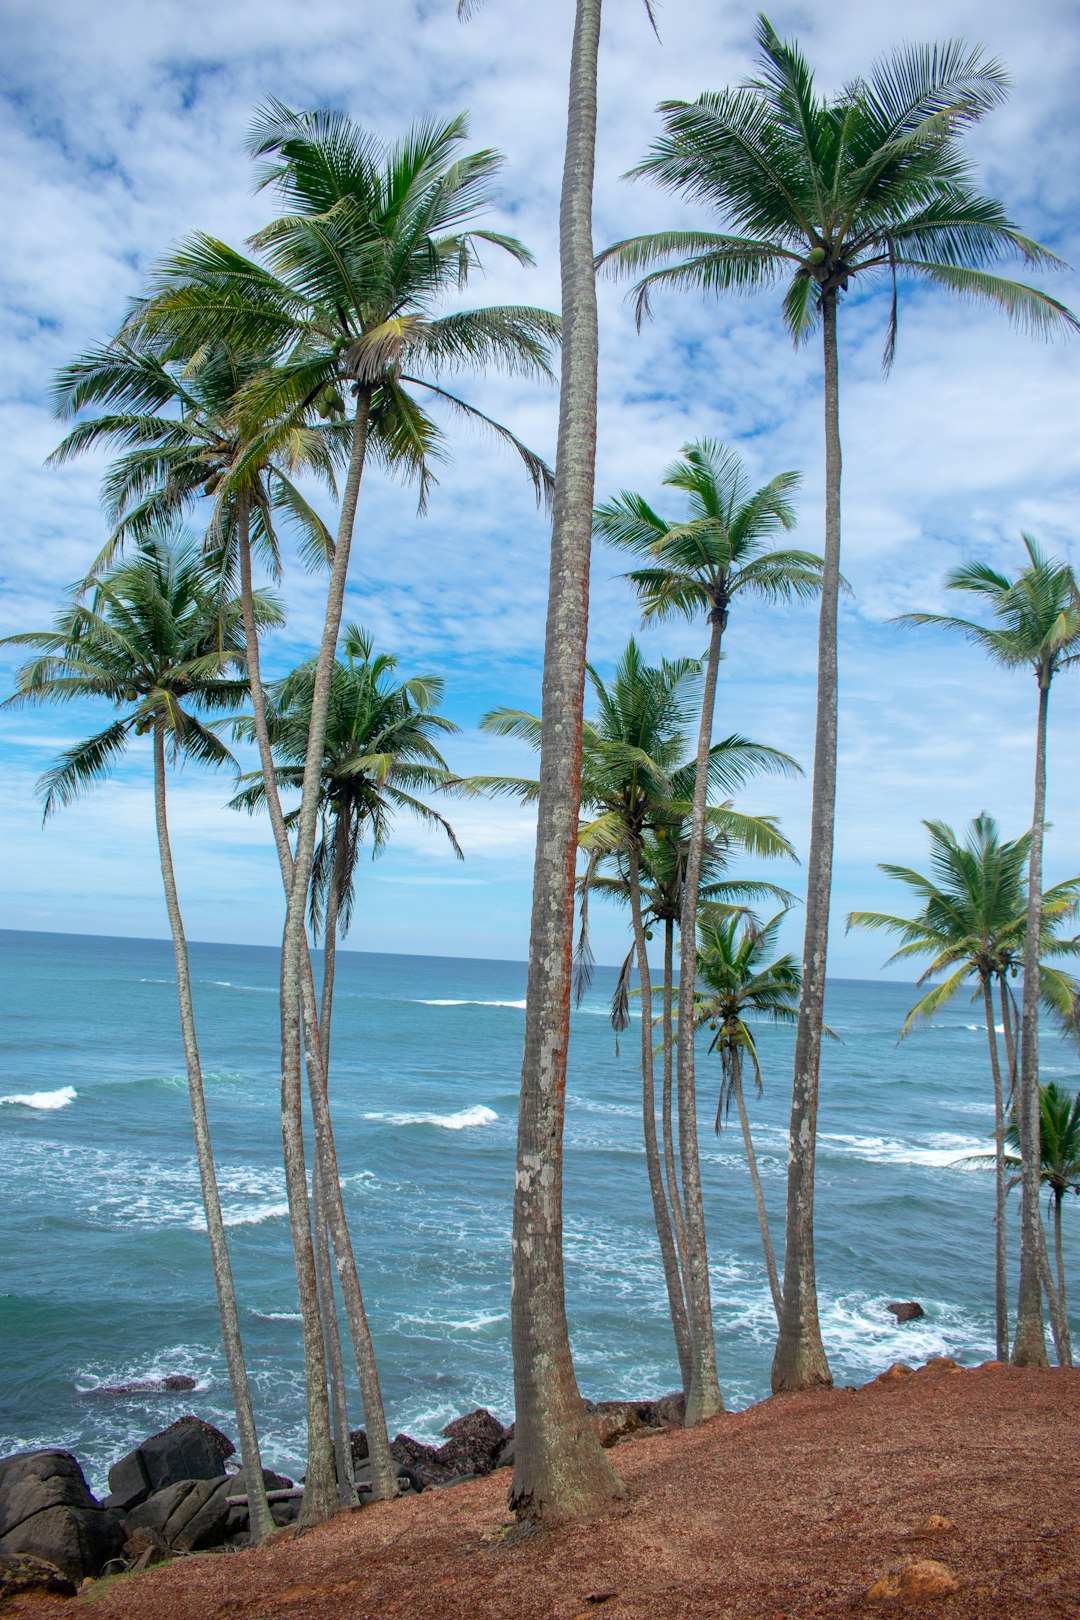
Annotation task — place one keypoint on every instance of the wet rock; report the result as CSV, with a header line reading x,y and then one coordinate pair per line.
x,y
47,1511
188,1449
926,1581
906,1310
171,1384
473,1443
20,1573
189,1515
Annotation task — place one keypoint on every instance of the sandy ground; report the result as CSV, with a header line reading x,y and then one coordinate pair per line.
x,y
796,1507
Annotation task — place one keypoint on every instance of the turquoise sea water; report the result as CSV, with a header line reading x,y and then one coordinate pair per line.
x,y
105,1272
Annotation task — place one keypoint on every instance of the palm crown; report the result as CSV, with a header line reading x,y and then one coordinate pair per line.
x,y
183,435
157,641
346,298
737,982
819,191
720,549
380,754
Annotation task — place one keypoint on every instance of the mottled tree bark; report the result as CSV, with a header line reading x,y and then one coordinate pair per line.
x,y
259,1519
1029,1345
560,1469
670,1169
799,1361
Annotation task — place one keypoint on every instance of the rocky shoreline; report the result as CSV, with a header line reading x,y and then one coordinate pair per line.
x,y
180,1492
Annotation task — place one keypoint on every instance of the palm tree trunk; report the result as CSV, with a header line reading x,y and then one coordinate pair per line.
x,y
661,1215
335,1361
330,929
1029,1345
1010,1042
560,1469
384,1483
800,1361
1001,1297
703,1398
759,1196
673,1192
1058,1322
1065,1358
259,1519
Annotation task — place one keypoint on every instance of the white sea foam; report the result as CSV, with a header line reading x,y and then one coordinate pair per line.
x,y
978,1028
253,989
938,1152
278,1316
461,1121
245,1215
427,1001
46,1100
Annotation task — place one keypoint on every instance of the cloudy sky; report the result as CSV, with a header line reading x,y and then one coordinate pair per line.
x,y
123,126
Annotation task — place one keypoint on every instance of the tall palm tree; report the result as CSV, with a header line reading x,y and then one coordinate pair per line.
x,y
736,986
1037,625
373,238
971,926
717,554
158,642
633,782
871,184
1059,1172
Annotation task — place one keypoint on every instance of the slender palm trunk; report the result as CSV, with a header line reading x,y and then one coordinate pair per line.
x,y
560,1469
330,930
703,1398
661,1215
800,1361
759,1196
259,1519
1010,1040
1001,1295
382,1470
670,1170
335,1361
1058,1323
1065,1354
1029,1345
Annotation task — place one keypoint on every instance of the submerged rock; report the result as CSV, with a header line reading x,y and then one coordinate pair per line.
x,y
171,1384
48,1512
905,1310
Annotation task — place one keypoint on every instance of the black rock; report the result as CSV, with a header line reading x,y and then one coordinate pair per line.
x,y
906,1310
474,1443
48,1512
171,1384
188,1449
188,1515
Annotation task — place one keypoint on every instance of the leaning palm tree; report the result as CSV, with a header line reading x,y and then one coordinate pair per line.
x,y
721,551
635,781
158,642
737,986
1037,626
871,185
971,926
373,239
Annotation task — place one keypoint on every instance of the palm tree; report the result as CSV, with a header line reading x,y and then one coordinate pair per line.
x,y
157,642
1037,625
873,184
663,869
719,553
971,926
735,983
372,239
632,783
1059,1172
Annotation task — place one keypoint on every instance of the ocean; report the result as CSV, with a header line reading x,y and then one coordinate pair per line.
x,y
106,1276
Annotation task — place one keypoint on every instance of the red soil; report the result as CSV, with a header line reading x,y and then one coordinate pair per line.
x,y
796,1507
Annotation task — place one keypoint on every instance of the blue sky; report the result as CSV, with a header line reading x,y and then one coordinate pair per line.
x,y
123,128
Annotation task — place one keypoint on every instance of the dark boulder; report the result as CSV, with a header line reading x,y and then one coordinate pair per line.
x,y
473,1443
189,1515
423,1460
359,1444
145,1547
48,1512
188,1449
171,1384
19,1573
905,1310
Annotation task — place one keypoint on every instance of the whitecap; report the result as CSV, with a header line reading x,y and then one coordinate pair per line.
x,y
426,1001
940,1152
277,1316
466,1117
246,1215
47,1100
